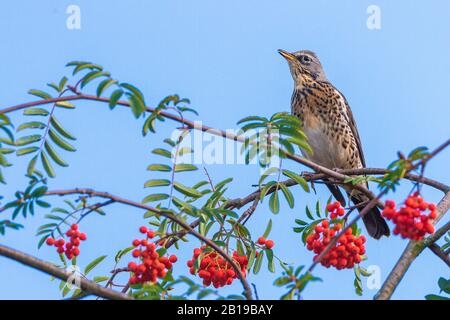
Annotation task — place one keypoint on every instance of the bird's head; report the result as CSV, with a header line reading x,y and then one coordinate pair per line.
x,y
304,64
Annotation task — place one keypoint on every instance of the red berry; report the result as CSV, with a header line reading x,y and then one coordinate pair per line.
x,y
261,240
74,227
76,251
136,253
136,242
173,258
143,229
83,236
50,241
270,244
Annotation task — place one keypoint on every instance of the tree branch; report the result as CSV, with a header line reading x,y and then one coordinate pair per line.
x,y
168,215
85,285
441,254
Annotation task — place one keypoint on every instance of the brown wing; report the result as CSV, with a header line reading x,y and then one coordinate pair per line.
x,y
352,125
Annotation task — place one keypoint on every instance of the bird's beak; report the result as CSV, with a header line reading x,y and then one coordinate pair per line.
x,y
287,55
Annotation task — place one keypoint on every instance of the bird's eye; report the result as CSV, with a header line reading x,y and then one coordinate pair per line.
x,y
305,59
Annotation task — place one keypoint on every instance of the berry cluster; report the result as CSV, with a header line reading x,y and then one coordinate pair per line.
x,y
268,243
70,248
152,264
347,251
411,220
214,269
336,210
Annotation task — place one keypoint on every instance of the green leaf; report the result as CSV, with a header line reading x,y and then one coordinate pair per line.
x,y
31,165
115,96
297,178
191,192
318,209
62,83
40,94
24,151
251,258
159,167
184,167
270,261
157,183
308,213
47,166
136,92
35,112
137,105
28,140
52,153
104,85
162,152
60,142
155,197
444,285
268,229
287,194
274,203
93,264
252,118
91,76
435,297
31,125
58,127
65,104
258,262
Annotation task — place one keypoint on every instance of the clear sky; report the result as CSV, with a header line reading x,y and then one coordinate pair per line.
x,y
223,56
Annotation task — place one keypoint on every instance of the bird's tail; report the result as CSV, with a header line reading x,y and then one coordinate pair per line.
x,y
375,224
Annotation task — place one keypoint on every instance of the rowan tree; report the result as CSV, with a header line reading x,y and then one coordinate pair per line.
x,y
184,207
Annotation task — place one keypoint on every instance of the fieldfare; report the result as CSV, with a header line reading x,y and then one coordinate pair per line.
x,y
330,127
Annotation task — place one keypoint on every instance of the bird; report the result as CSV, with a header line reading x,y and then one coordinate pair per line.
x,y
328,122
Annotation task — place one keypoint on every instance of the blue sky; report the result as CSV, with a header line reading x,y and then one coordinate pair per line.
x,y
222,55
